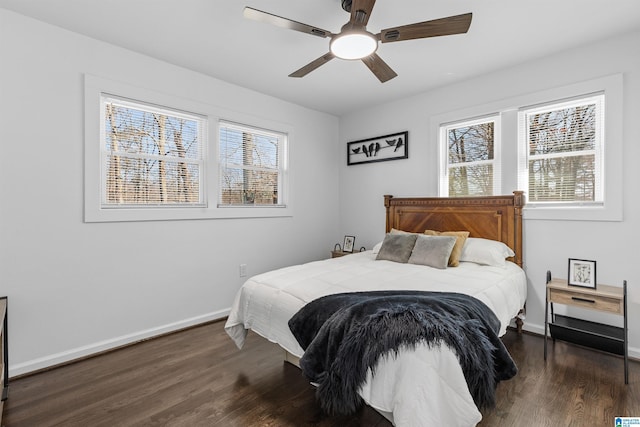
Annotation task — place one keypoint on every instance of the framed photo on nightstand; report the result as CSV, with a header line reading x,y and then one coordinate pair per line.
x,y
582,272
348,243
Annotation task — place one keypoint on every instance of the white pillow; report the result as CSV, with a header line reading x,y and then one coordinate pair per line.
x,y
377,247
485,252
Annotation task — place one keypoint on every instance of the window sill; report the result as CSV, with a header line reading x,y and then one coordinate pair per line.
x,y
173,214
574,213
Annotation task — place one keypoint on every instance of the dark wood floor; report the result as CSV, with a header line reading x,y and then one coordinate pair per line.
x,y
198,378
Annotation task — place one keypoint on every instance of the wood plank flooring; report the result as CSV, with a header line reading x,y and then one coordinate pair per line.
x,y
197,377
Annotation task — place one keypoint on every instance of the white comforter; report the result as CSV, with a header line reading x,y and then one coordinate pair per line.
x,y
422,387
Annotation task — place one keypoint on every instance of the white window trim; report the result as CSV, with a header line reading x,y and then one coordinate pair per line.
x,y
95,86
612,87
443,152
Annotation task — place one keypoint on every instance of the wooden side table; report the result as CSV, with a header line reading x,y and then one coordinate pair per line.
x,y
337,254
604,298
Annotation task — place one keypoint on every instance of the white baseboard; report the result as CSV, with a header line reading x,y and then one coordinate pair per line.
x,y
90,349
634,352
534,329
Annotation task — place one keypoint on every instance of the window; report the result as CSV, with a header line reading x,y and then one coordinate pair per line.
x,y
472,166
251,166
564,146
151,156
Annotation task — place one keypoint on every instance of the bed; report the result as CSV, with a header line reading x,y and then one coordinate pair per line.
x,y
421,385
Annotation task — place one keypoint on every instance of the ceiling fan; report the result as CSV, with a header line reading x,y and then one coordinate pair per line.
x,y
355,42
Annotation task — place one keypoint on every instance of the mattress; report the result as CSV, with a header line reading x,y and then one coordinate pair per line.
x,y
403,384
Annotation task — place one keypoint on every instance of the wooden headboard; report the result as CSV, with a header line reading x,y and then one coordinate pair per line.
x,y
491,217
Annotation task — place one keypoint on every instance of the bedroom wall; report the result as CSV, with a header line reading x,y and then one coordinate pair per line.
x,y
76,288
547,244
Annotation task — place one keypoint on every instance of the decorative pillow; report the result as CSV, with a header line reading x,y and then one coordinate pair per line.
x,y
461,236
396,231
433,251
397,247
377,247
486,252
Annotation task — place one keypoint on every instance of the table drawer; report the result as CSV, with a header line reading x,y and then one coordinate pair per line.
x,y
580,299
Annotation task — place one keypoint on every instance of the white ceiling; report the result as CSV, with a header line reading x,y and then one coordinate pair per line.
x,y
213,37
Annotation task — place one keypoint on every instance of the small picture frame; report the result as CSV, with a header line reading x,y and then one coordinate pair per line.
x,y
582,273
348,243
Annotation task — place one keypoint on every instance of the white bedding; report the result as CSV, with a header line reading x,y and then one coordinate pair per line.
x,y
422,387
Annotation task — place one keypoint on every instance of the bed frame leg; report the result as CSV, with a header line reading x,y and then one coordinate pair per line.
x,y
519,322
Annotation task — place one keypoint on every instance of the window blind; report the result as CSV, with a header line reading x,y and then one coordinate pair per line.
x,y
251,166
565,148
152,156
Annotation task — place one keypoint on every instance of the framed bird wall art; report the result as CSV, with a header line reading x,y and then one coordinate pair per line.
x,y
388,147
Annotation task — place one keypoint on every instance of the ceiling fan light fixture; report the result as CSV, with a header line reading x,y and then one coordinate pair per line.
x,y
353,45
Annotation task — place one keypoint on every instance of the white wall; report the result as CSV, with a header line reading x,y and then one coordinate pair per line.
x,y
75,288
547,244
70,295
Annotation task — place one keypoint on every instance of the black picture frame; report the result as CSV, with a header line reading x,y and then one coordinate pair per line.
x,y
348,243
582,272
379,149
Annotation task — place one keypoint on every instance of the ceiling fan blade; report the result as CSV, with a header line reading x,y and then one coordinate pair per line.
x,y
313,65
438,27
270,18
378,67
361,11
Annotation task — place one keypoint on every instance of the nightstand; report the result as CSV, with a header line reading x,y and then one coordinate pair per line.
x,y
609,299
337,254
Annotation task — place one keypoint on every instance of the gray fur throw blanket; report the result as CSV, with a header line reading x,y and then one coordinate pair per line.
x,y
344,335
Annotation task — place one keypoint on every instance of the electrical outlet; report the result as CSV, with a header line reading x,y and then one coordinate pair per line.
x,y
243,270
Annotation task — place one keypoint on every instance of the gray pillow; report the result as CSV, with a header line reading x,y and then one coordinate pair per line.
x,y
433,251
397,247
